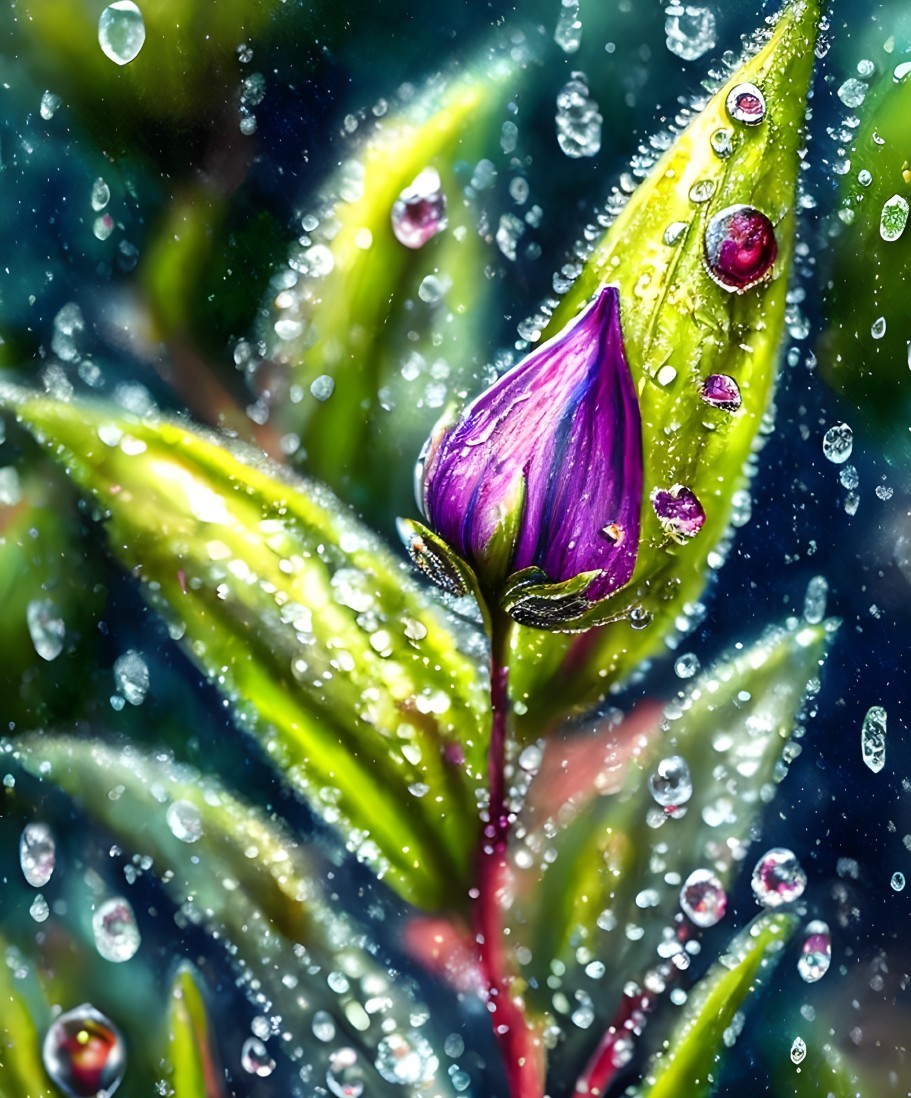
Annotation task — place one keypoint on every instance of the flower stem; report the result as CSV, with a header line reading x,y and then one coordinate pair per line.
x,y
519,1042
613,1051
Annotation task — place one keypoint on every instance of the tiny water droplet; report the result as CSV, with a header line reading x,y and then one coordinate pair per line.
x,y
837,443
852,92
798,1051
878,327
131,675
255,1058
419,212
46,628
690,31
84,1053
578,119
322,387
670,783
121,32
406,1058
898,881
686,666
116,934
101,195
50,104
721,391
674,232
702,191
345,1076
746,104
323,1026
37,854
894,218
740,248
873,738
703,899
184,821
815,953
814,602
568,34
39,910
722,142
778,878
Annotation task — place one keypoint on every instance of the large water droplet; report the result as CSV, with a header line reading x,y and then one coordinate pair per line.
x,y
345,1077
894,218
873,738
116,933
703,898
690,31
778,878
419,212
816,952
255,1058
837,443
131,674
798,1050
84,1053
406,1058
721,391
578,119
46,628
740,248
852,92
746,104
37,854
121,32
679,511
670,783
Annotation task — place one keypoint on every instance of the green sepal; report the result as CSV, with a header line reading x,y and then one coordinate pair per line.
x,y
332,657
531,599
194,1067
687,1064
679,327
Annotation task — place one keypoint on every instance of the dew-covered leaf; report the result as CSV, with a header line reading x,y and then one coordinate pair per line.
x,y
376,318
865,349
596,875
683,331
243,877
687,1065
355,684
195,1072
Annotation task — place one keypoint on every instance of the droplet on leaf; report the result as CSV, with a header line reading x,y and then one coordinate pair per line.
x,y
740,248
778,878
121,32
419,213
37,854
84,1053
746,104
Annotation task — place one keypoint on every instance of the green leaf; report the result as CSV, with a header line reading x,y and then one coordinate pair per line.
x,y
735,727
687,1066
679,327
195,1071
864,352
21,1069
352,308
352,681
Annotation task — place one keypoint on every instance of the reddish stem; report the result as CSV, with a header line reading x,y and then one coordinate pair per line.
x,y
613,1051
519,1043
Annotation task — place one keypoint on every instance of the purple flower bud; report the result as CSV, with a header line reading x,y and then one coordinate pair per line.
x,y
543,472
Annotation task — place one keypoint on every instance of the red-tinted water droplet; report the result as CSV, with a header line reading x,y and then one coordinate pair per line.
x,y
419,213
84,1053
679,511
721,391
778,878
740,247
703,898
746,104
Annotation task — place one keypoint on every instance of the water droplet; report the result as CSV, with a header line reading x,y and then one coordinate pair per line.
x,y
778,878
798,1051
674,232
814,601
703,898
184,821
686,666
419,212
84,1053
690,31
671,784
578,119
39,910
894,218
721,391
722,142
102,227
323,1026
679,511
740,247
345,1077
864,178
901,71
101,195
255,1058
815,953
131,675
568,34
37,854
852,92
878,327
406,1058
116,934
746,104
837,443
702,191
50,104
121,32
322,387
873,738
46,628
898,881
